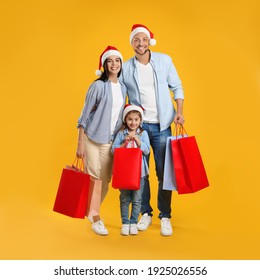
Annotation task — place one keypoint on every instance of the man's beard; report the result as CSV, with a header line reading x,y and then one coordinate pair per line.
x,y
137,52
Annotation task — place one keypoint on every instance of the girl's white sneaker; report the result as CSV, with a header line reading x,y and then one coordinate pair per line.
x,y
125,229
133,229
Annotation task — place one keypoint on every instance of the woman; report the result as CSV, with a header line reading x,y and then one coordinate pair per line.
x,y
100,120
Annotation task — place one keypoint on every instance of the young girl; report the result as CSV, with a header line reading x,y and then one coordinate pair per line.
x,y
130,133
100,120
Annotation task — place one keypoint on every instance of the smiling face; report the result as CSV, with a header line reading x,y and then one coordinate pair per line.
x,y
140,43
133,120
113,64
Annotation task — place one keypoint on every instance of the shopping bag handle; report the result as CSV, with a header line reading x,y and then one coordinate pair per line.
x,y
133,143
78,164
179,130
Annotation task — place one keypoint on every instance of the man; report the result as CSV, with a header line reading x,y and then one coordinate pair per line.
x,y
149,78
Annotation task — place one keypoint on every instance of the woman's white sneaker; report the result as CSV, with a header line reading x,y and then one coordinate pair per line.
x,y
99,228
145,222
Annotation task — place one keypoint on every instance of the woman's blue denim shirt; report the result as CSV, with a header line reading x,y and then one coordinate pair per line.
x,y
96,114
166,78
145,146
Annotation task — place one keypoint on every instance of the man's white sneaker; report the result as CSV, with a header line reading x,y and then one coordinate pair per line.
x,y
99,228
133,229
125,229
166,227
145,222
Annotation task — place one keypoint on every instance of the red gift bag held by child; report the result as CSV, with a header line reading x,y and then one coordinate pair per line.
x,y
188,166
127,168
73,190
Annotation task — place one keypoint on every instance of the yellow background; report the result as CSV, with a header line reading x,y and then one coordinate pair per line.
x,y
49,52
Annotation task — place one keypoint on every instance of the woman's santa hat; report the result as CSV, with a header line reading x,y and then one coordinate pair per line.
x,y
130,107
137,28
105,54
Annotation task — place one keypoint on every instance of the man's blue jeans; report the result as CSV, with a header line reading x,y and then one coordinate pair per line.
x,y
158,143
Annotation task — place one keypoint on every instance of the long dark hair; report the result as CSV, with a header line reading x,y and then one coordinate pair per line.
x,y
104,76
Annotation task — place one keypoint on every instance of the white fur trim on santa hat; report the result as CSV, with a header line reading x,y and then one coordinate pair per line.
x,y
131,107
152,41
139,30
109,53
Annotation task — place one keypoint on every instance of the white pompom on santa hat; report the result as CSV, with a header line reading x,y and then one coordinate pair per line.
x,y
105,54
137,28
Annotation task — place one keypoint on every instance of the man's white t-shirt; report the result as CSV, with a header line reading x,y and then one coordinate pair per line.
x,y
147,92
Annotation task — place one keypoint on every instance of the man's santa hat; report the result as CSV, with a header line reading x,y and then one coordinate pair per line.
x,y
137,28
105,54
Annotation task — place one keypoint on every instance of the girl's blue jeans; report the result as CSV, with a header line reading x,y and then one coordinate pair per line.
x,y
127,197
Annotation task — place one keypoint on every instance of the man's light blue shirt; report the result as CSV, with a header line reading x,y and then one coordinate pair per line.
x,y
166,79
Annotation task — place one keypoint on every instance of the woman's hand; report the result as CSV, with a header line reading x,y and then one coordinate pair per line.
x,y
81,150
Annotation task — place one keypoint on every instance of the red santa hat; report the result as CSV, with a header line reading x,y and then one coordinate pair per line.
x,y
137,28
105,54
130,107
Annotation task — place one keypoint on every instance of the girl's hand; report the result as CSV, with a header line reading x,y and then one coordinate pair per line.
x,y
127,139
137,140
124,143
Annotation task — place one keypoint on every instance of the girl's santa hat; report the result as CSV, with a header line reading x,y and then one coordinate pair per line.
x,y
130,107
137,28
105,54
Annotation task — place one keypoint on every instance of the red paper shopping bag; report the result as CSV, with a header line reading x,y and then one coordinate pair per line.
x,y
72,194
189,169
94,198
127,168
